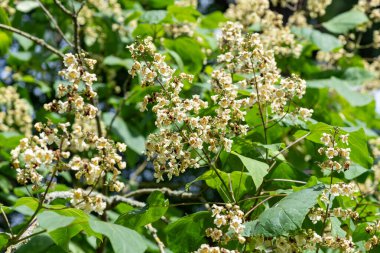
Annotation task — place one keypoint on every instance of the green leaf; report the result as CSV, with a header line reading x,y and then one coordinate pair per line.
x,y
357,75
27,6
3,240
62,236
122,239
155,208
116,61
357,141
51,220
212,21
153,17
26,205
135,141
143,30
177,59
345,21
286,216
354,171
20,57
40,244
24,42
240,182
159,4
336,230
324,41
10,139
190,52
138,93
343,88
182,14
256,169
187,233
5,37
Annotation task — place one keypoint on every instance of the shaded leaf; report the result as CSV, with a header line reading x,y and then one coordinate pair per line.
x,y
122,239
240,182
343,88
345,21
256,169
116,61
27,6
187,233
51,220
153,17
324,41
135,141
155,208
286,216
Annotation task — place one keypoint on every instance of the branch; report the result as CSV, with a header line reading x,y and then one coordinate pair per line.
x,y
6,220
286,180
165,190
48,14
290,145
256,206
39,41
153,232
111,201
63,8
122,101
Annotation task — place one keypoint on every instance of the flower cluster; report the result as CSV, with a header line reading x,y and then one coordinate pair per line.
x,y
334,152
182,128
340,243
228,220
340,189
274,35
372,230
371,8
205,248
75,73
319,214
110,8
370,185
87,202
193,3
305,240
52,150
181,29
15,114
246,55
317,8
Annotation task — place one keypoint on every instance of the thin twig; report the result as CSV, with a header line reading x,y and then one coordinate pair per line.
x,y
290,145
6,220
165,190
138,171
153,232
122,101
256,206
39,41
52,20
286,180
30,236
63,8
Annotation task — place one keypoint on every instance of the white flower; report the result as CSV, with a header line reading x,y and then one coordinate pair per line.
x,y
331,152
326,139
344,138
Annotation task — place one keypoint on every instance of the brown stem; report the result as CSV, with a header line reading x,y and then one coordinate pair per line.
x,y
54,22
39,41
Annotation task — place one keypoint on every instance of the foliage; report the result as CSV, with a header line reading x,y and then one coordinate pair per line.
x,y
162,126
